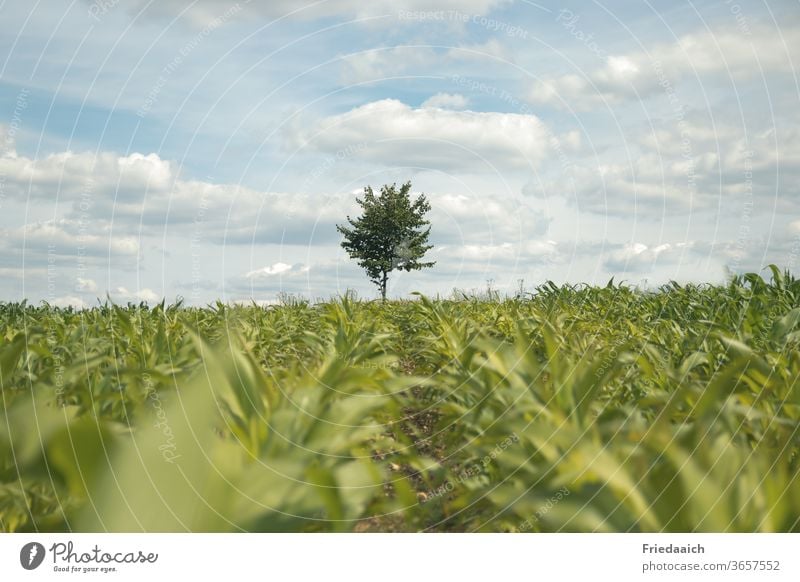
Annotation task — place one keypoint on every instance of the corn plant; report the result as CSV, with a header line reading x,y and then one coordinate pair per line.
x,y
570,408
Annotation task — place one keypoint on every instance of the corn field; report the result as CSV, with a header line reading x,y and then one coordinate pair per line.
x,y
567,409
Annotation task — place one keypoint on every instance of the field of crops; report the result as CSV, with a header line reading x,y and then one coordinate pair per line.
x,y
566,409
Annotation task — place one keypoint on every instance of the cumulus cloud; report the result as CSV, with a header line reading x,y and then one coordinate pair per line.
x,y
67,238
122,294
68,176
639,74
225,214
85,285
277,269
69,301
641,258
620,189
157,202
531,250
484,219
396,134
297,278
446,101
697,164
260,302
142,194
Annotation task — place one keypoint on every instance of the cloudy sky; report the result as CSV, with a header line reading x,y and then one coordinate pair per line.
x,y
207,149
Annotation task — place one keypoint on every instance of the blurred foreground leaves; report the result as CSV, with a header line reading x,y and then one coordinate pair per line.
x,y
572,409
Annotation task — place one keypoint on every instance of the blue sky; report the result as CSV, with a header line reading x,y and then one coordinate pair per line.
x,y
207,149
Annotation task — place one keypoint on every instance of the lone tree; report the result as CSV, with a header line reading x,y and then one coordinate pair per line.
x,y
390,234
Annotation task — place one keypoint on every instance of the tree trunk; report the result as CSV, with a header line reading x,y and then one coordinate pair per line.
x,y
383,285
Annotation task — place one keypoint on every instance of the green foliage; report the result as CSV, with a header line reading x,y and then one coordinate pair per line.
x,y
573,408
390,234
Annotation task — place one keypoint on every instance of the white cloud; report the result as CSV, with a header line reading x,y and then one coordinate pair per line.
x,y
68,176
624,77
398,135
295,278
475,252
69,301
529,250
260,302
484,218
446,101
143,194
207,213
146,295
639,257
688,166
65,237
85,285
282,269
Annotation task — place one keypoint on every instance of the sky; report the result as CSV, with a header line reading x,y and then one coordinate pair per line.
x,y
207,150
